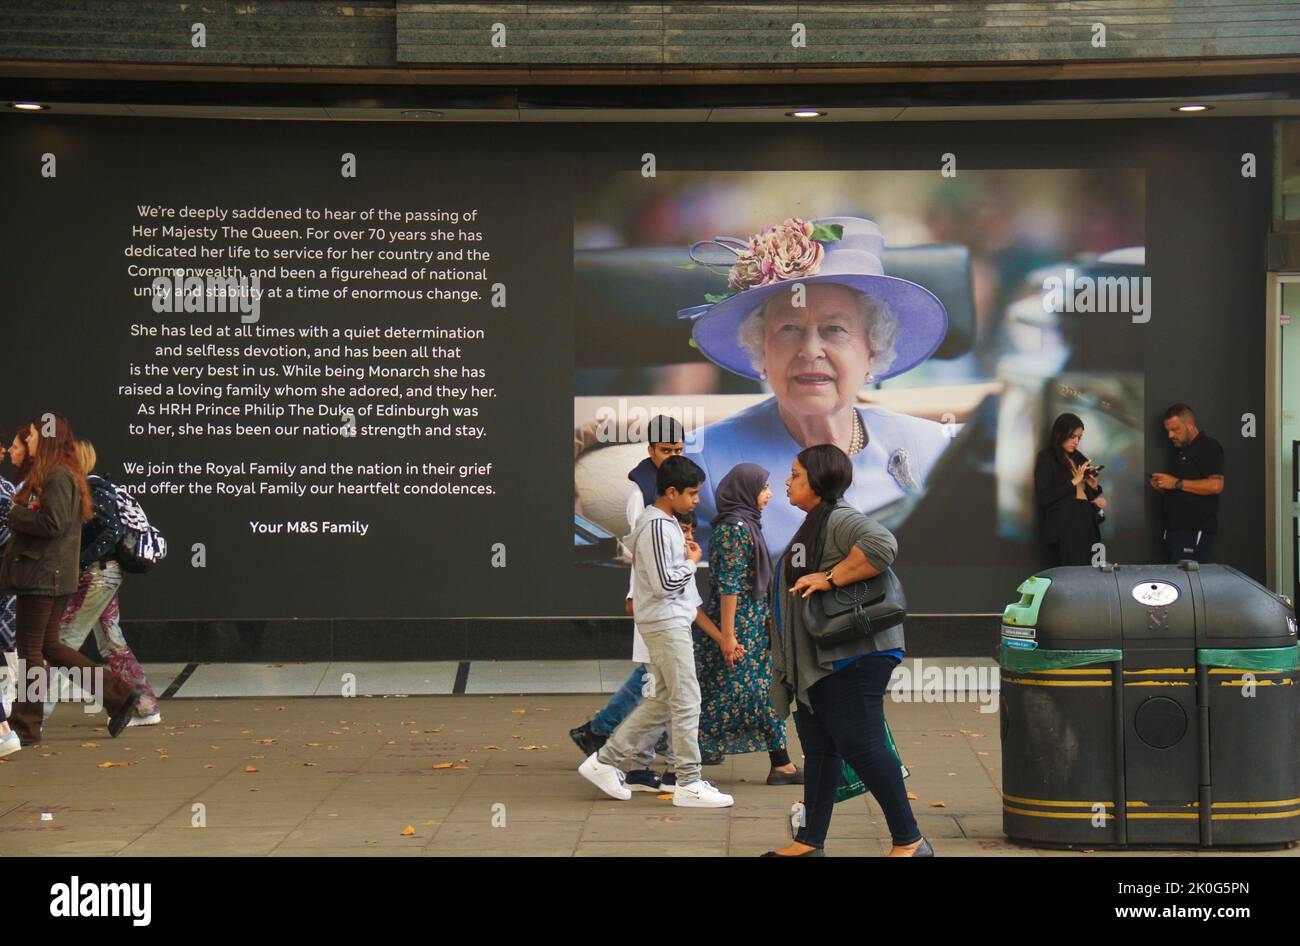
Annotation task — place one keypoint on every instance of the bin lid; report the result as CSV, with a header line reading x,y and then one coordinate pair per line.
x,y
1068,608
1240,613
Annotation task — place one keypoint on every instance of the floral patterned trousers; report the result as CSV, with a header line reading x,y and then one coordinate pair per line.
x,y
94,608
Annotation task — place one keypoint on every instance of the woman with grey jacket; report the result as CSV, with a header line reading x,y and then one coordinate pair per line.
x,y
836,692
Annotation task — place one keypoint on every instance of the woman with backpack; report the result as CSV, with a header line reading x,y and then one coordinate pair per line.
x,y
41,567
94,605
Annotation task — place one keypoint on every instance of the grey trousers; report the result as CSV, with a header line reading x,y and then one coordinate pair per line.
x,y
672,697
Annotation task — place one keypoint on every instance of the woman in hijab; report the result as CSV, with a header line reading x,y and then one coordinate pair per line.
x,y
736,714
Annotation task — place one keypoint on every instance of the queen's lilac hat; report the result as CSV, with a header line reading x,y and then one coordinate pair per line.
x,y
841,250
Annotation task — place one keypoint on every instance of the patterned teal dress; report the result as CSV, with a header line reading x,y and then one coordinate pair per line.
x,y
735,713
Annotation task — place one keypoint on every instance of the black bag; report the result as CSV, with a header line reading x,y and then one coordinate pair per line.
x,y
857,611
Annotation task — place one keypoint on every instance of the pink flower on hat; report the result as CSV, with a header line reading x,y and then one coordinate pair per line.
x,y
782,251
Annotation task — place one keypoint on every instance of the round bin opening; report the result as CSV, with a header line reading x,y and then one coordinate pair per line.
x,y
1160,722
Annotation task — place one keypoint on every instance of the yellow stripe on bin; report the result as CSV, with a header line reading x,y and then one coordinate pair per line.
x,y
1056,804
1257,683
1164,670
1159,683
1273,803
1105,815
1243,670
1154,815
1258,814
1252,804
1072,671
1057,683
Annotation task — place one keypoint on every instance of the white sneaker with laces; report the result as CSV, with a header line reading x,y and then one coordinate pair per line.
x,y
153,719
608,778
9,743
701,794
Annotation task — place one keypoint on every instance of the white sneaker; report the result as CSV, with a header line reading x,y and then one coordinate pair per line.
x,y
700,794
608,778
9,743
152,719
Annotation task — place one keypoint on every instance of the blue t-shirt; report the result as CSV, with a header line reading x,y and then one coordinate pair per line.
x,y
841,664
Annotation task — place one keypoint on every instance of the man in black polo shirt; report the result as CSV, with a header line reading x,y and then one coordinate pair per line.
x,y
1191,488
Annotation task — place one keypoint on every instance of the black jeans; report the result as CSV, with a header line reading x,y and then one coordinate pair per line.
x,y
846,722
1188,543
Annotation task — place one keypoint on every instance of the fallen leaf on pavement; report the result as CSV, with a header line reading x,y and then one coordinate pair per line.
x,y
911,796
265,742
408,831
250,768
90,745
937,804
110,765
444,765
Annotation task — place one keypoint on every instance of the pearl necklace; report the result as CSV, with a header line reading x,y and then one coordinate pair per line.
x,y
858,440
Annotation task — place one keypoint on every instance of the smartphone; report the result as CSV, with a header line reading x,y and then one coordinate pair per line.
x,y
1097,469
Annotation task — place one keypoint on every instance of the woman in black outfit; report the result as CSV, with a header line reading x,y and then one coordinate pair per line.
x,y
1068,494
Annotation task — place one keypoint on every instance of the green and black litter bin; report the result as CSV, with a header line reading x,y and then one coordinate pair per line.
x,y
1150,705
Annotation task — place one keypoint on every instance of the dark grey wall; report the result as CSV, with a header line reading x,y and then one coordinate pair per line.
x,y
1206,232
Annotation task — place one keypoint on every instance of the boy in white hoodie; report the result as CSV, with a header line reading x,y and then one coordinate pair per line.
x,y
664,604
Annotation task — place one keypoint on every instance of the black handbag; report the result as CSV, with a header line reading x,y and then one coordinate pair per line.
x,y
855,612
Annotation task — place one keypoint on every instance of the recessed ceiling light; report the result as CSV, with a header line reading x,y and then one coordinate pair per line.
x,y
1194,108
805,113
421,113
29,106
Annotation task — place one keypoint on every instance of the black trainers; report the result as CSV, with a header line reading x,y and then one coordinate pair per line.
x,y
785,778
668,780
587,739
643,780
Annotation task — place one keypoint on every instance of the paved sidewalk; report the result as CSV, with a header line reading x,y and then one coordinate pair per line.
x,y
334,776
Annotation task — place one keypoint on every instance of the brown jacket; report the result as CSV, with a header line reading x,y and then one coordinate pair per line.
x,y
41,556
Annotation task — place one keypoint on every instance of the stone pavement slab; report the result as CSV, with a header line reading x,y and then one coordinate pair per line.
x,y
451,775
